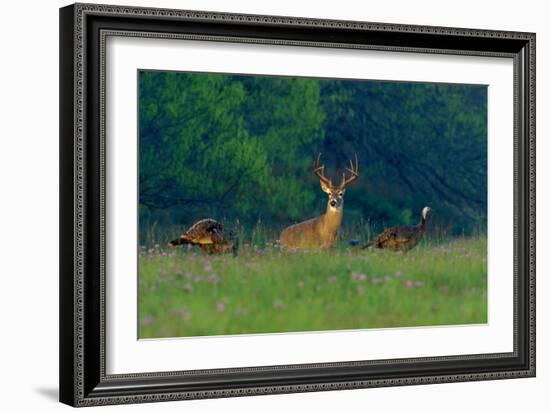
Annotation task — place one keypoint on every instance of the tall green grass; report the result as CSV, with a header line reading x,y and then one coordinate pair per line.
x,y
264,290
262,235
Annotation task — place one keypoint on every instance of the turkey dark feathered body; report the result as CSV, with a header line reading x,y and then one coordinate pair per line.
x,y
209,235
399,238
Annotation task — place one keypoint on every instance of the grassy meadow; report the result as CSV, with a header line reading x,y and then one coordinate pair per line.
x,y
264,290
240,149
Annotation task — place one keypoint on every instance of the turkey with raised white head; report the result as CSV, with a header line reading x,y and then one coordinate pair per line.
x,y
401,238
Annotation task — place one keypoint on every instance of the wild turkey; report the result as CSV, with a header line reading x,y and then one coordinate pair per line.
x,y
401,238
210,236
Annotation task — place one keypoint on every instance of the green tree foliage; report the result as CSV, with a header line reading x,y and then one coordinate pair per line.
x,y
423,144
231,146
225,145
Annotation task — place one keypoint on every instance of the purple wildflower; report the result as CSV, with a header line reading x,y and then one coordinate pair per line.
x,y
147,320
186,315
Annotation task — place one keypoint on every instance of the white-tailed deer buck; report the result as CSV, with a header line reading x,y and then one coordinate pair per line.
x,y
321,232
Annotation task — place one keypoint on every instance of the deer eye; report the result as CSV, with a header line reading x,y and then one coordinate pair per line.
x,y
340,194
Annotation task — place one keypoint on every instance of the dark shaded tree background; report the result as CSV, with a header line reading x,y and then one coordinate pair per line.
x,y
241,147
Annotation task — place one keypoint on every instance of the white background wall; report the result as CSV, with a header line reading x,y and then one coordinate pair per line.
x,y
29,204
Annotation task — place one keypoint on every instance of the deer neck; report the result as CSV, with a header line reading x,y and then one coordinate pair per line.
x,y
332,218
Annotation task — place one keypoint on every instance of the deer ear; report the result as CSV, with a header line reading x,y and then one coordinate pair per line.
x,y
325,187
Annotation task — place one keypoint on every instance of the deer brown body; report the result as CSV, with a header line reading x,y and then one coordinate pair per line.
x,y
322,231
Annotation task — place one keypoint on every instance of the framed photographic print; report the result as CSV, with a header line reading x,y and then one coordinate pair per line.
x,y
262,204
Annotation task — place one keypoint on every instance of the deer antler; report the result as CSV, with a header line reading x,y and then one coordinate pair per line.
x,y
353,171
319,171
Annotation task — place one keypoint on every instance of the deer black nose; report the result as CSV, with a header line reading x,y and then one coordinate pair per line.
x,y
332,203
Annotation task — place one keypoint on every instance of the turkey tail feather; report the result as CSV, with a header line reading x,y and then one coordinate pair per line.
x,y
179,241
369,244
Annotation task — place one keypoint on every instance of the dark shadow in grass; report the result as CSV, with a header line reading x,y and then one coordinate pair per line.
x,y
51,393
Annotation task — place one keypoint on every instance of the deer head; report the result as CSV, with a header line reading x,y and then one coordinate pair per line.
x,y
335,192
321,232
